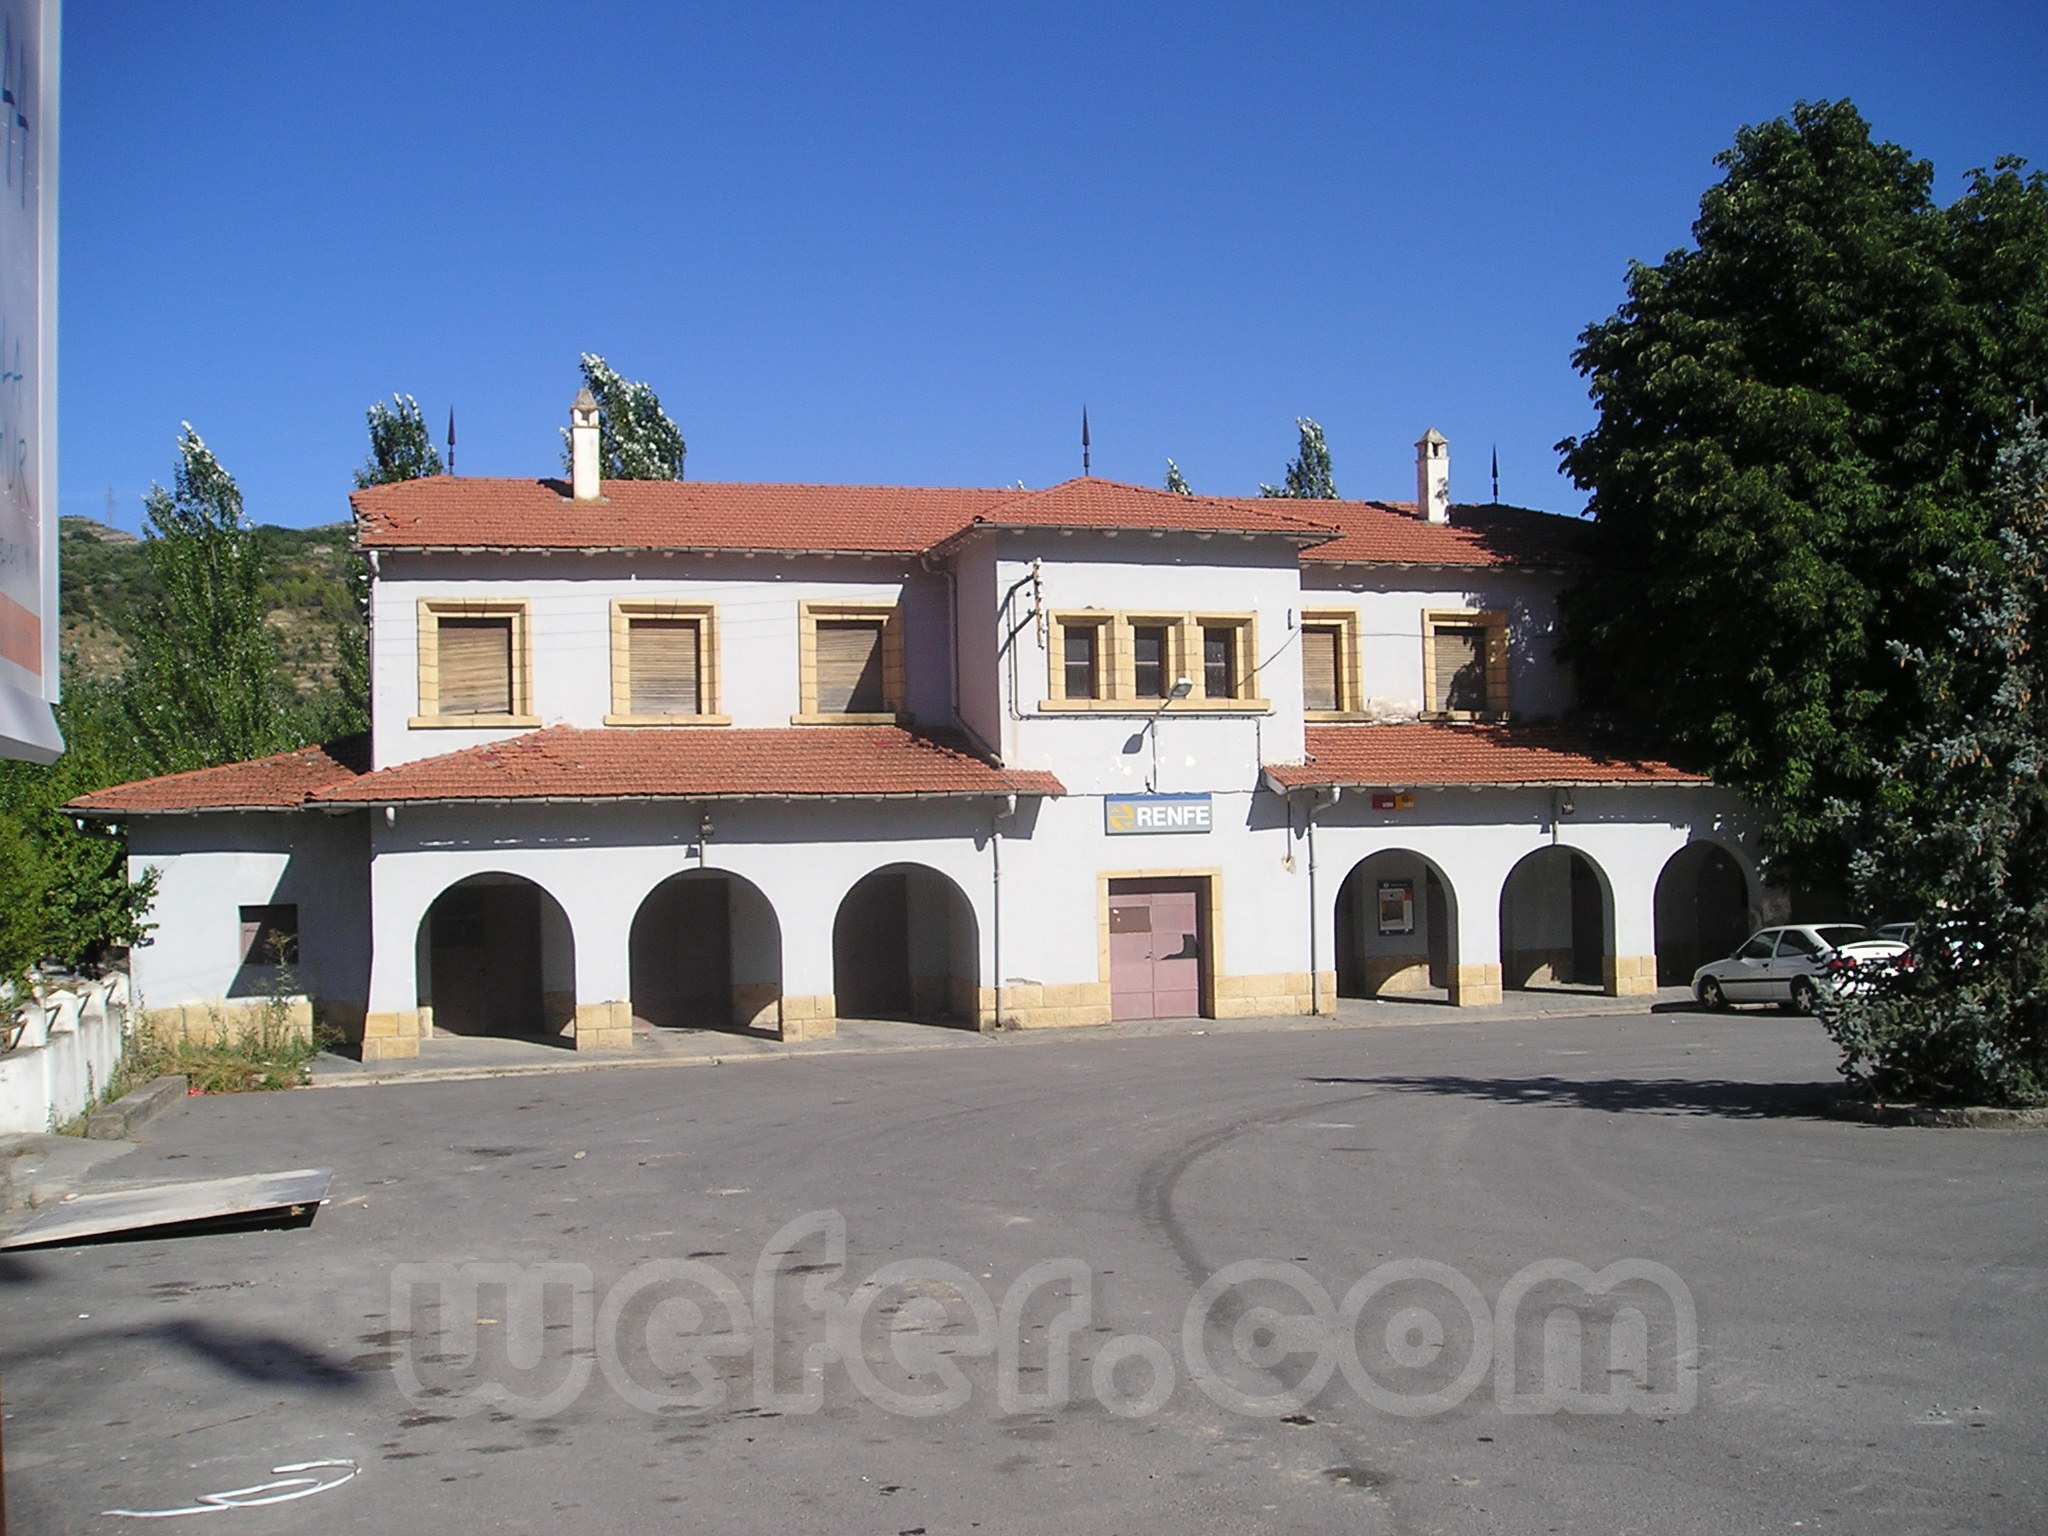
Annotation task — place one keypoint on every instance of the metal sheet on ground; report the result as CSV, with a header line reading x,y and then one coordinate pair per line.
x,y
244,1198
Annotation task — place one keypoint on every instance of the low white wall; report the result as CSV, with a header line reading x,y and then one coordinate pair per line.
x,y
70,1046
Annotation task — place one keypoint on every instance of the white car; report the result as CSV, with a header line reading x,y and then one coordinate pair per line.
x,y
1793,965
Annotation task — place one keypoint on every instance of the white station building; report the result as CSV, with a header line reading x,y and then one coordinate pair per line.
x,y
651,755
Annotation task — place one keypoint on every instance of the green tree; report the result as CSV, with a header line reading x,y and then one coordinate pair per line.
x,y
1955,834
401,448
65,894
1309,477
1797,419
205,686
1176,482
636,440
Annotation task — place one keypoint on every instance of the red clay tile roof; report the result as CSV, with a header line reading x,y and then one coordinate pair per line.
x,y
1399,756
563,763
1389,533
444,512
1108,504
267,784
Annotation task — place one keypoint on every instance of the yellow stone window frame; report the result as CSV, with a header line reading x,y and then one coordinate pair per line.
x,y
434,609
1350,684
809,615
709,696
1495,626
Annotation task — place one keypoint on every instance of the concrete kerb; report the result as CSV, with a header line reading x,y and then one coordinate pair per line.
x,y
339,1072
1966,1117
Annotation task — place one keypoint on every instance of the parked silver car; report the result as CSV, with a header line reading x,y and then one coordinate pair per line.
x,y
1793,965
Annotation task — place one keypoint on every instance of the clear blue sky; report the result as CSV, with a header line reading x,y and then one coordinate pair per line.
x,y
903,245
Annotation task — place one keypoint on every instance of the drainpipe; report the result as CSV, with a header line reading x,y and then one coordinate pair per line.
x,y
995,849
1316,802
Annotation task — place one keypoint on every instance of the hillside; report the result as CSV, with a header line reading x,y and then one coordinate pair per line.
x,y
106,589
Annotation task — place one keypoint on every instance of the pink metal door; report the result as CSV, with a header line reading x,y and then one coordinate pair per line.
x,y
1155,953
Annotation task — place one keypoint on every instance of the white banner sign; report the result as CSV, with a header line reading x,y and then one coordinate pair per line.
x,y
28,379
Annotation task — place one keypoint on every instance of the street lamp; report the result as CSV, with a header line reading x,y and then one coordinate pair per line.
x,y
1182,687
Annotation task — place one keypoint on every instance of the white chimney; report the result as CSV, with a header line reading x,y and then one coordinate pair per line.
x,y
1433,478
583,446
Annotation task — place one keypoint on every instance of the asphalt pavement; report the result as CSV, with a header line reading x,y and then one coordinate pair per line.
x,y
1254,1280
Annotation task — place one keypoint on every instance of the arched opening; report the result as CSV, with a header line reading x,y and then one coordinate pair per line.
x,y
706,953
496,956
906,946
1395,922
1702,911
1556,922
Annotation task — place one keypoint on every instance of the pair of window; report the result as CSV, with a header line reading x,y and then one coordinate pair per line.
x,y
1464,671
476,664
1124,659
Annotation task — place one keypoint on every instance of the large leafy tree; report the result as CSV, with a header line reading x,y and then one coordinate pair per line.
x,y
1956,833
205,686
1797,419
401,447
65,894
636,440
1309,477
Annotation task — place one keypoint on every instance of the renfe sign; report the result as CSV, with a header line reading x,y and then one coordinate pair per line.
x,y
1125,815
28,379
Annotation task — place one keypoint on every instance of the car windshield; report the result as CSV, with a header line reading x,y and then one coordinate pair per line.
x,y
1845,933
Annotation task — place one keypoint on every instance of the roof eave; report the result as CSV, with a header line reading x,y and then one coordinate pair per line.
x,y
1000,793
1390,782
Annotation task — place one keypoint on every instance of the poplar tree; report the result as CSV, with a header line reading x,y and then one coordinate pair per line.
x,y
401,448
1309,477
205,686
636,440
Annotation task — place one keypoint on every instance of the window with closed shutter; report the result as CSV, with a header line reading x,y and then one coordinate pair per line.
x,y
663,663
475,666
1460,668
270,934
1320,688
850,680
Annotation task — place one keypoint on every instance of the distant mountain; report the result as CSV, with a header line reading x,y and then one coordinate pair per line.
x,y
106,588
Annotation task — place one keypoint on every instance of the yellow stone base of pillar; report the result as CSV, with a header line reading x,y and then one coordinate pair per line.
x,y
1475,986
604,1026
1630,975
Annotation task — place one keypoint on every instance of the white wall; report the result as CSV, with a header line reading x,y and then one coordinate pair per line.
x,y
601,862
569,598
1476,838
1390,605
49,1083
213,865
1100,751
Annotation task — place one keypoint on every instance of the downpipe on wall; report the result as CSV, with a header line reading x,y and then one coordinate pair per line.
x,y
1316,802
1007,810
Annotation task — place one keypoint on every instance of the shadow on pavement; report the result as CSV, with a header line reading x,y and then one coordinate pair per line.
x,y
1661,1096
259,1357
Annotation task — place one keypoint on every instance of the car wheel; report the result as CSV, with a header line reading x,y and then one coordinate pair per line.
x,y
1805,995
1711,995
